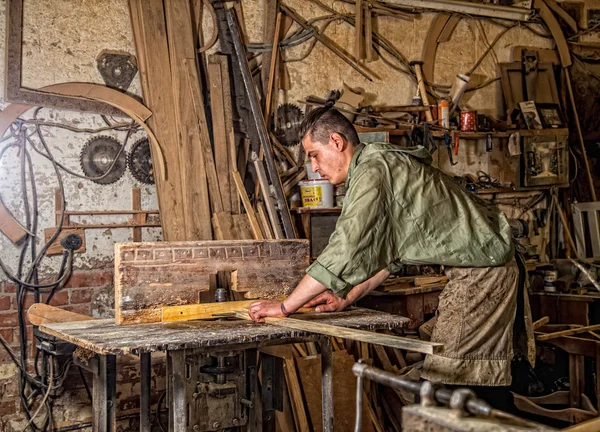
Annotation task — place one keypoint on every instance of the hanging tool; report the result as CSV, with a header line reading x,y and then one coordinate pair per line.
x,y
422,89
448,141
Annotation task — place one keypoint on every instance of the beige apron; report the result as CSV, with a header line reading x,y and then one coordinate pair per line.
x,y
475,320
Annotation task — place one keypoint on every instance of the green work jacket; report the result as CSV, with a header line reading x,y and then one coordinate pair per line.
x,y
400,210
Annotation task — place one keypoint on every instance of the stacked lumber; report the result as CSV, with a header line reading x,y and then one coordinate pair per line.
x,y
302,397
203,195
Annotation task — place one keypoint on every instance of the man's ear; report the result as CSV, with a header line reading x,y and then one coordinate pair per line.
x,y
338,141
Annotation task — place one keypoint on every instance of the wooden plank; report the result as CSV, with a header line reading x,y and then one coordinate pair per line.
x,y
266,193
192,130
356,335
427,280
150,31
207,154
541,322
223,226
549,336
344,391
40,313
150,276
272,69
359,47
208,310
264,222
140,218
243,229
220,135
270,11
56,248
295,392
230,132
247,206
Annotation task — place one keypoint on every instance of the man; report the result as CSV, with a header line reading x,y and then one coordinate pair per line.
x,y
400,210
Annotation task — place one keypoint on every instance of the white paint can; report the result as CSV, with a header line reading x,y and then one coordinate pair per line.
x,y
316,193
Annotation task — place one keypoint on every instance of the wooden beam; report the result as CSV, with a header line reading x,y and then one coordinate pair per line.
x,y
549,336
220,136
272,70
352,334
247,206
207,154
193,135
230,132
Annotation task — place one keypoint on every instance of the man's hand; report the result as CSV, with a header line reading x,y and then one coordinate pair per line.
x,y
328,302
266,308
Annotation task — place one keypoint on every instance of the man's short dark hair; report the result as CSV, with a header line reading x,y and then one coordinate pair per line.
x,y
320,123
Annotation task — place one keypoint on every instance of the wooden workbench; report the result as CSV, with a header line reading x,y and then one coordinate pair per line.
x,y
107,340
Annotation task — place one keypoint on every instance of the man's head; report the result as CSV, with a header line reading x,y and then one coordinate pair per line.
x,y
329,140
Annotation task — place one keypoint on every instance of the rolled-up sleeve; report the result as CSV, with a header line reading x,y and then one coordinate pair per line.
x,y
362,243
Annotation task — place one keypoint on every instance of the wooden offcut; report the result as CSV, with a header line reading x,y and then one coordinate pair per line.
x,y
150,276
41,313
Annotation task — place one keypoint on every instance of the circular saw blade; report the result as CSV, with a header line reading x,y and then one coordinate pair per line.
x,y
289,119
97,157
140,162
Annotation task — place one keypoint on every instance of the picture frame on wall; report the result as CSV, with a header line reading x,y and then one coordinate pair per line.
x,y
531,115
545,160
551,116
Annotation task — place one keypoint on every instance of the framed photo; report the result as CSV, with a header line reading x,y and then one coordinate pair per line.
x,y
530,114
550,115
545,160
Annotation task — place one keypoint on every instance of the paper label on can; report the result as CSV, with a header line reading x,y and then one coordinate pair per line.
x,y
312,196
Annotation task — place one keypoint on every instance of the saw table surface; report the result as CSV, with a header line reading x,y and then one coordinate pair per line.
x,y
106,338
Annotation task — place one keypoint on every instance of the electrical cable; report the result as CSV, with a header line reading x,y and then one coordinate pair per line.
x,y
43,403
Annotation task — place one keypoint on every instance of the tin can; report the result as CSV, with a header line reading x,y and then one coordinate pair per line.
x,y
550,277
468,121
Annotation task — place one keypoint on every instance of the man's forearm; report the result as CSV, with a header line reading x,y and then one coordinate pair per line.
x,y
366,287
306,290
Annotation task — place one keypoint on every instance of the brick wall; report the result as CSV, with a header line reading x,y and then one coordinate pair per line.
x,y
88,292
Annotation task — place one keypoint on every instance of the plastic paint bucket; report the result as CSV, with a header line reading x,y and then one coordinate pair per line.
x,y
316,193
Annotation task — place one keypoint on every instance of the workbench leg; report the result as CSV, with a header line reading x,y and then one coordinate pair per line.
x,y
145,389
104,392
252,389
327,383
176,381
272,390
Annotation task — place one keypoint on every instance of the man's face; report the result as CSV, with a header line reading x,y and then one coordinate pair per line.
x,y
332,159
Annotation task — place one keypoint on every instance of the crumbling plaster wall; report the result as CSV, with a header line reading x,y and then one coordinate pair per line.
x,y
63,38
